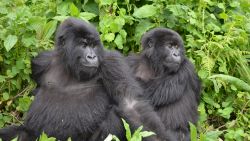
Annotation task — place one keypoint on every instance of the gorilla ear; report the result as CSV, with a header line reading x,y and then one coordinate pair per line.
x,y
60,41
150,43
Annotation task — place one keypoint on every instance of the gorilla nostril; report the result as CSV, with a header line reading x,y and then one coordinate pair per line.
x,y
176,54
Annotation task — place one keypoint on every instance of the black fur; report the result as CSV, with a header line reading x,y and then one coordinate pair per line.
x,y
84,103
172,88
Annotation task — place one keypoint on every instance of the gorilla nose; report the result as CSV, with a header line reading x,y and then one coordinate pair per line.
x,y
176,54
92,58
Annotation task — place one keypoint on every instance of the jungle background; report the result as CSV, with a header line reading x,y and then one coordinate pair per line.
x,y
216,35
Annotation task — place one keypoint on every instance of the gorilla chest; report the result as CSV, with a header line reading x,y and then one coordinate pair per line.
x,y
69,110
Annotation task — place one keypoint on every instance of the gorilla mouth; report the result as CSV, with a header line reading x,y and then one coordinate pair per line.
x,y
91,66
172,63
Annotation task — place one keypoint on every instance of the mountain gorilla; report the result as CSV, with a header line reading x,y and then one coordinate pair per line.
x,y
83,91
169,80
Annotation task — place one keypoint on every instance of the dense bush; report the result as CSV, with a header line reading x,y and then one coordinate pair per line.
x,y
216,36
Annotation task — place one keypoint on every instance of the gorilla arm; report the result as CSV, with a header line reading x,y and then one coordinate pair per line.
x,y
172,87
117,77
124,90
40,64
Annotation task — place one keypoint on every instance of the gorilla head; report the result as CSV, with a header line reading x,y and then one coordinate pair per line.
x,y
164,48
80,45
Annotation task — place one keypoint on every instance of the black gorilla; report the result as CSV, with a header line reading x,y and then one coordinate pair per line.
x,y
169,80
83,92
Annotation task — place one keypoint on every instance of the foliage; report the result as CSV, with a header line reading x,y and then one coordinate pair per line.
x,y
216,35
136,136
43,137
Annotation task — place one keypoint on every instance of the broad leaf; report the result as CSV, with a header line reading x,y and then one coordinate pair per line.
x,y
119,41
145,11
9,42
87,16
74,10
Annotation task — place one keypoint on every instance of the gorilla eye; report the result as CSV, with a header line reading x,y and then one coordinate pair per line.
x,y
83,42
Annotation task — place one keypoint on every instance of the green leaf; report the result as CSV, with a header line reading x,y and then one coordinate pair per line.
x,y
123,34
193,132
141,28
145,134
115,138
44,137
91,6
49,29
15,139
2,78
221,6
106,2
6,96
233,80
145,11
223,16
24,103
226,112
127,128
60,18
74,10
9,42
87,16
137,136
137,132
203,73
213,135
117,24
207,98
1,58
119,41
234,4
28,40
202,111
63,8
109,37
202,137
36,23
20,64
111,137
228,102
223,67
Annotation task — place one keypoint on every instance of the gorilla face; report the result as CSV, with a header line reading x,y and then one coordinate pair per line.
x,y
86,58
80,44
171,55
164,48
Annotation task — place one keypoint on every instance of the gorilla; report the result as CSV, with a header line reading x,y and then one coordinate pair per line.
x,y
169,80
83,92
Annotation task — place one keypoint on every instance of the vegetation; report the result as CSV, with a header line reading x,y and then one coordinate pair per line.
x,y
216,36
